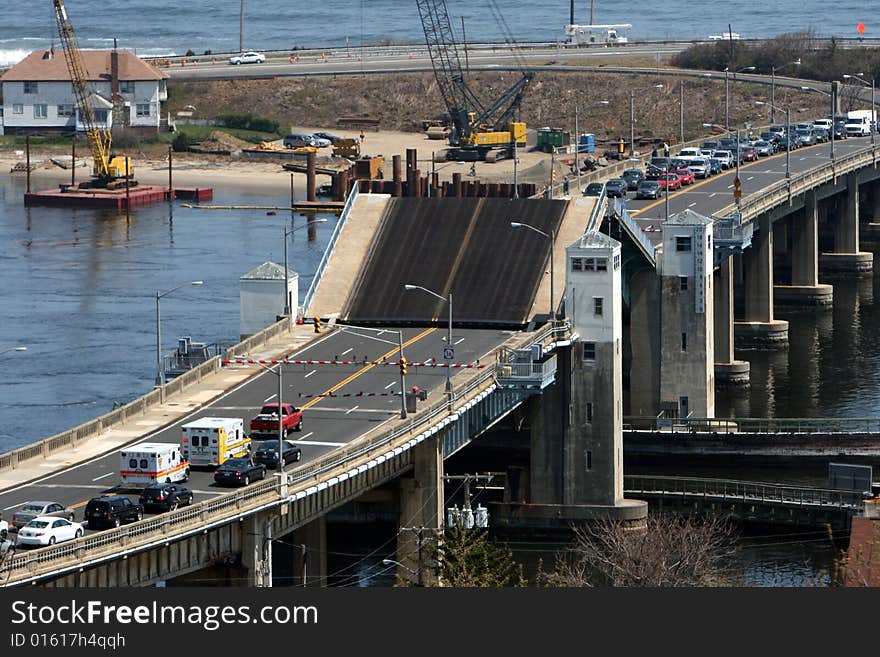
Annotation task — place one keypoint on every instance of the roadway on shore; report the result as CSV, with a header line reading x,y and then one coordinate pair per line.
x,y
328,422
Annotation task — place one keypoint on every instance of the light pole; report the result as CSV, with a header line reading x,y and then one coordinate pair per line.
x,y
773,70
552,237
350,328
856,76
279,467
760,103
833,111
737,189
727,92
160,371
632,117
392,562
4,351
287,232
448,352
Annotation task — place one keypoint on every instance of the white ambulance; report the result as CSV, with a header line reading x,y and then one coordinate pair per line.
x,y
150,463
210,441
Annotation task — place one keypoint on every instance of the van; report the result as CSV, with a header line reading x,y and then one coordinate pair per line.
x,y
151,463
296,141
111,511
689,153
210,441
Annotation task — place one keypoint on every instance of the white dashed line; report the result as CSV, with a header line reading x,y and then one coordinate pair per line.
x,y
309,374
389,385
692,204
322,444
750,178
350,349
307,435
457,341
730,187
712,194
353,408
103,475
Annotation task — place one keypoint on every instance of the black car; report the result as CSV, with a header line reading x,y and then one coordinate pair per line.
x,y
329,137
839,131
239,471
633,177
594,189
715,166
648,189
616,187
711,145
165,497
112,511
727,144
268,454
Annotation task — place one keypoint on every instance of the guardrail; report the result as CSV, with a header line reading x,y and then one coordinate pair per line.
x,y
733,426
322,265
749,491
230,505
784,190
635,231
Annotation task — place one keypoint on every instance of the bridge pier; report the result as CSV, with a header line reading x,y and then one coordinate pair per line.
x,y
870,229
758,326
310,553
805,289
256,549
728,370
644,343
846,257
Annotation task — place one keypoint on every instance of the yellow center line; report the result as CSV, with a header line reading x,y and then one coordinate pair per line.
x,y
364,370
693,186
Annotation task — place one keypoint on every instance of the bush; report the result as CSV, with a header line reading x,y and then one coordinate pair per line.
x,y
190,53
181,142
250,122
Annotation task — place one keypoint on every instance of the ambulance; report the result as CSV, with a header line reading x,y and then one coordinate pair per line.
x,y
210,441
152,463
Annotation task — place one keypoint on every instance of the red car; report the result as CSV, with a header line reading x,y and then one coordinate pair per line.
x,y
749,154
669,181
686,176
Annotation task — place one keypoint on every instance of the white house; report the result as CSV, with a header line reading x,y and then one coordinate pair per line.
x,y
38,95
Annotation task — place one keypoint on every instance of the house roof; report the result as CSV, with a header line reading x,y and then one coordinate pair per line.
x,y
594,239
49,66
268,271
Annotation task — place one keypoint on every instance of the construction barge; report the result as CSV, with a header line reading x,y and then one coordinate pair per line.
x,y
114,199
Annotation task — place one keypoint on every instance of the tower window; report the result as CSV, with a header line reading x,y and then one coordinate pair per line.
x,y
682,243
597,305
683,283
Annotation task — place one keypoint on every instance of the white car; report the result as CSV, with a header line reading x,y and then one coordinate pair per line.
x,y
248,58
726,158
48,530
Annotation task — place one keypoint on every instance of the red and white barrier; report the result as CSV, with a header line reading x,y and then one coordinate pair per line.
x,y
285,361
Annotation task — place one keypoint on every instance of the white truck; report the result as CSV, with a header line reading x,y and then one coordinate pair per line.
x,y
151,463
210,441
860,123
591,35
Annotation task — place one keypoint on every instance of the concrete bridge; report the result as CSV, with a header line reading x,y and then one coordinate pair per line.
x,y
634,322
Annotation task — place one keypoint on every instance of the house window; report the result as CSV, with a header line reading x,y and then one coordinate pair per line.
x,y
65,110
41,111
30,87
684,341
17,108
601,264
589,350
589,411
597,305
101,116
577,264
126,86
682,243
143,109
589,459
616,262
683,283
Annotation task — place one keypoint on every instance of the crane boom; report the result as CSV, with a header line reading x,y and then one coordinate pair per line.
x,y
100,139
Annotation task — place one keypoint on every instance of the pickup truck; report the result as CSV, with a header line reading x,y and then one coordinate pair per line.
x,y
265,424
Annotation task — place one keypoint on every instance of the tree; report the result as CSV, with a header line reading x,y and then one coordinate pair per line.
x,y
469,558
672,550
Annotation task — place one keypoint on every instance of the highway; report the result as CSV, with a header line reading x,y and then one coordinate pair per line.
x,y
328,422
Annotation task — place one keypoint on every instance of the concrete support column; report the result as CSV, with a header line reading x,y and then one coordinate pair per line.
x,y
758,325
421,514
256,549
846,257
805,288
310,554
870,231
728,370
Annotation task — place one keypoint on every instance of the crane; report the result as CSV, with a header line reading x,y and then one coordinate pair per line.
x,y
477,131
110,171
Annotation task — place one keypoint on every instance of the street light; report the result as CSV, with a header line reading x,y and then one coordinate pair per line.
x,y
727,92
13,349
392,562
737,193
448,352
552,238
632,117
160,371
760,103
773,70
833,111
279,467
856,76
290,231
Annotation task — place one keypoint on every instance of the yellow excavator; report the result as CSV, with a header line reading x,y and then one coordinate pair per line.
x,y
111,171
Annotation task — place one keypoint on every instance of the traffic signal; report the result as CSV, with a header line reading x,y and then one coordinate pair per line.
x,y
403,366
317,324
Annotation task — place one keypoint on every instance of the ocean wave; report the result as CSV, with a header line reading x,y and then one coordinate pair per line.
x,y
10,57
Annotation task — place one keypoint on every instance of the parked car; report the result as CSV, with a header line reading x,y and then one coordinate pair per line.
x,y
31,510
328,136
789,143
298,140
700,167
707,152
749,154
727,143
268,454
48,530
688,153
806,136
821,134
112,511
594,189
165,497
686,176
616,187
248,58
778,129
840,131
633,177
715,165
670,181
648,189
763,148
239,471
711,145
661,163
726,159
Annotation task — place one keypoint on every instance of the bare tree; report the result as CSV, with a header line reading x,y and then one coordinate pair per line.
x,y
672,550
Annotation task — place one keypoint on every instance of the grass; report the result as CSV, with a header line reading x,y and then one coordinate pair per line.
x,y
201,132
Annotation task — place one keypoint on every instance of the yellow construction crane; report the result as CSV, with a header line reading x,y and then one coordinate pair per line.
x,y
110,171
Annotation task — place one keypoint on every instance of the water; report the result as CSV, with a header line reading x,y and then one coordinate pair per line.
x,y
79,290
213,25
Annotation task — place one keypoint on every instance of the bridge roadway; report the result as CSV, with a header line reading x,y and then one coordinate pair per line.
x,y
328,422
710,195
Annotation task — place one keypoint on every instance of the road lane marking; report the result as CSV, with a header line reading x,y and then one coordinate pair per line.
x,y
103,475
692,204
349,350
17,504
268,398
713,194
749,178
310,433
88,486
353,408
390,385
730,187
309,374
319,443
366,369
457,341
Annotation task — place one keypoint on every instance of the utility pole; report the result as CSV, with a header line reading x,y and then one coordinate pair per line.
x,y
773,98
632,123
515,165
577,144
592,12
681,111
467,64
241,28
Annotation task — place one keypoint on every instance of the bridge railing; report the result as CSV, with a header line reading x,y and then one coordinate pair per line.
x,y
732,489
707,427
635,231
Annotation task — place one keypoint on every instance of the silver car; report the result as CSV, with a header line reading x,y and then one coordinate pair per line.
x,y
31,510
763,148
